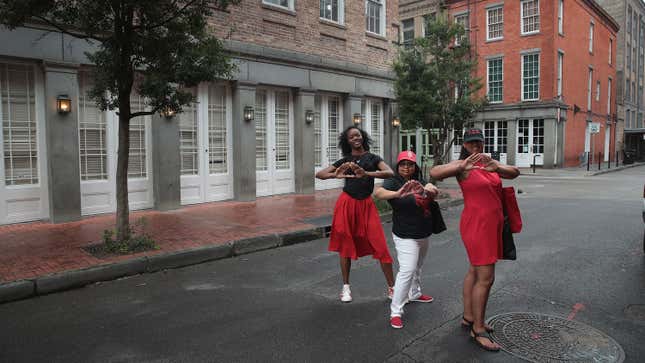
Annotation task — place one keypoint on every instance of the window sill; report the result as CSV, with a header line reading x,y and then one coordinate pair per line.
x,y
278,9
494,40
375,36
332,23
529,34
531,100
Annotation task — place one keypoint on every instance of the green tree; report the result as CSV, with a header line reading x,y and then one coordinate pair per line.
x,y
160,48
434,84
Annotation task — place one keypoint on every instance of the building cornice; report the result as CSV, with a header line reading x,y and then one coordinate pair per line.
x,y
258,52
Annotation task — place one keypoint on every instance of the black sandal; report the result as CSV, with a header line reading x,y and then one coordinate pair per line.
x,y
474,335
469,324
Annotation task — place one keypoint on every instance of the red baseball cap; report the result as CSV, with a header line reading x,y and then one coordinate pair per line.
x,y
406,155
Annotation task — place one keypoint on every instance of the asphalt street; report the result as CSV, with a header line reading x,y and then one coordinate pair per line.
x,y
581,246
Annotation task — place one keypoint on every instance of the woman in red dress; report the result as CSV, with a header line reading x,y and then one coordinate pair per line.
x,y
356,228
481,225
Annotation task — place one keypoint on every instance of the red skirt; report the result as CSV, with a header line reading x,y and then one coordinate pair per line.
x,y
356,230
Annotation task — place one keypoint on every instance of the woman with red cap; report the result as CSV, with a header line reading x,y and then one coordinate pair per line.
x,y
356,228
410,197
481,225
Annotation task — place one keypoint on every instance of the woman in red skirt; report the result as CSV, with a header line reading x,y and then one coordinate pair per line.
x,y
356,228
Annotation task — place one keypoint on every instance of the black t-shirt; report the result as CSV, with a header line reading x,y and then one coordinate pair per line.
x,y
408,219
360,188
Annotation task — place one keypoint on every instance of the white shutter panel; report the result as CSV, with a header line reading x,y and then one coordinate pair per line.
x,y
19,124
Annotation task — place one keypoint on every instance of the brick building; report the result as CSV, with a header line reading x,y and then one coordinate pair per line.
x,y
630,65
307,68
551,86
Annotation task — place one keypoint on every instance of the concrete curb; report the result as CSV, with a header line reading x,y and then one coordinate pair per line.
x,y
623,167
580,173
22,289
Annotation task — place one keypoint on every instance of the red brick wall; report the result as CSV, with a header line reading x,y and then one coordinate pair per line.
x,y
574,43
577,60
304,32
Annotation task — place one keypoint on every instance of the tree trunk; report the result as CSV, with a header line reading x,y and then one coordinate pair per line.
x,y
122,207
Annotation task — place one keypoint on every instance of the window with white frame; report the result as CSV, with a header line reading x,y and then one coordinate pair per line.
x,y
489,136
318,141
589,89
372,116
260,116
495,136
591,26
188,139
333,10
629,20
217,148
628,56
559,75
375,16
288,4
530,16
462,20
628,87
18,97
92,132
530,77
333,127
502,136
282,132
597,91
407,29
495,80
137,158
375,127
495,23
609,96
427,19
326,117
561,17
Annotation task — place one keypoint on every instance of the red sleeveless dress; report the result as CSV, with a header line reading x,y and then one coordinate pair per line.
x,y
482,220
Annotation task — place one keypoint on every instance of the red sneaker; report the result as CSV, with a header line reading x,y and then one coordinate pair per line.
x,y
396,322
423,299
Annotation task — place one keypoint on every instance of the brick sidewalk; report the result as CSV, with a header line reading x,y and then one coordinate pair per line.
x,y
36,249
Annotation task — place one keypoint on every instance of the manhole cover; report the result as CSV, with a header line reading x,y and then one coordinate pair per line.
x,y
544,338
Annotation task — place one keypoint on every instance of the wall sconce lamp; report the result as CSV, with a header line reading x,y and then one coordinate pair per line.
x,y
168,112
396,122
309,116
249,113
357,119
63,104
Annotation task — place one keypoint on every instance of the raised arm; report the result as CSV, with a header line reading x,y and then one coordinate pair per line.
x,y
504,171
444,171
383,172
384,194
327,173
455,167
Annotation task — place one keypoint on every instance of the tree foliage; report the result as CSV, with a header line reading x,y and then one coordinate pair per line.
x,y
159,48
434,84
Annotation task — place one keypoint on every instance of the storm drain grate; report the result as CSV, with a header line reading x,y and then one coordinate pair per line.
x,y
544,338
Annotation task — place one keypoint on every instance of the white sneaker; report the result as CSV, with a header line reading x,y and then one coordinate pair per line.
x,y
346,294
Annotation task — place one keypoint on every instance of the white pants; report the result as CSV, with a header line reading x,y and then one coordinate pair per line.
x,y
410,253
